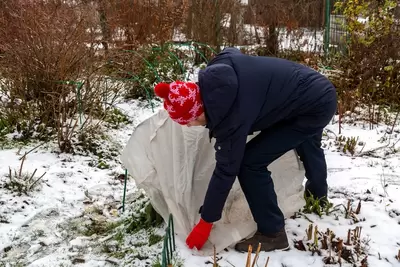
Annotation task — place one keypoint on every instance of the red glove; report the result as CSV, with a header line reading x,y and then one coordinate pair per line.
x,y
199,235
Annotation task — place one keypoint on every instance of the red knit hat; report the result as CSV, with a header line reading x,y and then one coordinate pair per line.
x,y
182,100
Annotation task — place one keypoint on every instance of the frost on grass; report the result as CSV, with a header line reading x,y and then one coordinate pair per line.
x,y
20,181
131,240
99,233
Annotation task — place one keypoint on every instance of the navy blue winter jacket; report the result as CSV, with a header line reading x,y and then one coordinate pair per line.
x,y
243,94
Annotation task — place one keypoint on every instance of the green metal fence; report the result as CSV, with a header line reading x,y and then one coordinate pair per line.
x,y
335,35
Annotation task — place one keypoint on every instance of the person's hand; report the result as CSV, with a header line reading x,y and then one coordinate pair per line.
x,y
199,235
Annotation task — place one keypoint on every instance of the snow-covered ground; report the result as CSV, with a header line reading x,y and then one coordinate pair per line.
x,y
57,224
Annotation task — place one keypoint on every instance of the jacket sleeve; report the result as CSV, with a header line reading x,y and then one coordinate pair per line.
x,y
230,147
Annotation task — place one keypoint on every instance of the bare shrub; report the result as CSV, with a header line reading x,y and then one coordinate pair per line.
x,y
51,65
370,67
44,44
135,23
286,25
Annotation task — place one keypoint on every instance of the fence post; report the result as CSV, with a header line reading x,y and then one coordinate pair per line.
x,y
327,26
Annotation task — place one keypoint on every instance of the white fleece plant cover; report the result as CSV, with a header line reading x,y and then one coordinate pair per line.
x,y
174,164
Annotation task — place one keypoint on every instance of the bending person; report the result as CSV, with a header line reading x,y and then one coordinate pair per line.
x,y
238,94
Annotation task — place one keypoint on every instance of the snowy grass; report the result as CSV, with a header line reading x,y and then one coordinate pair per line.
x,y
74,217
32,229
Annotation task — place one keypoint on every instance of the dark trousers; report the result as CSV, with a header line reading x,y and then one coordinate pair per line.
x,y
304,134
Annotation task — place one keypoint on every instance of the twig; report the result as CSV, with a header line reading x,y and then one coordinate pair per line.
x,y
358,208
22,164
359,232
257,255
111,261
395,143
26,153
305,217
266,264
215,257
348,242
340,118
316,235
229,263
330,131
69,135
324,242
340,248
373,150
104,239
362,149
309,232
34,183
33,174
395,120
348,209
249,256
330,247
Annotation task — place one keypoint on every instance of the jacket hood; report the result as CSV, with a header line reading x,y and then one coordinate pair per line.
x,y
224,55
218,88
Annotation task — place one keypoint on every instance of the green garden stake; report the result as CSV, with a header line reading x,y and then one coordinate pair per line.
x,y
170,243
123,198
166,250
171,225
164,255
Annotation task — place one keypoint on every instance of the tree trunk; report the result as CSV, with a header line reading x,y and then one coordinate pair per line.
x,y
189,22
232,37
272,40
105,28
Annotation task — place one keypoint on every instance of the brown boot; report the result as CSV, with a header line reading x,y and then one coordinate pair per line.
x,y
273,242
